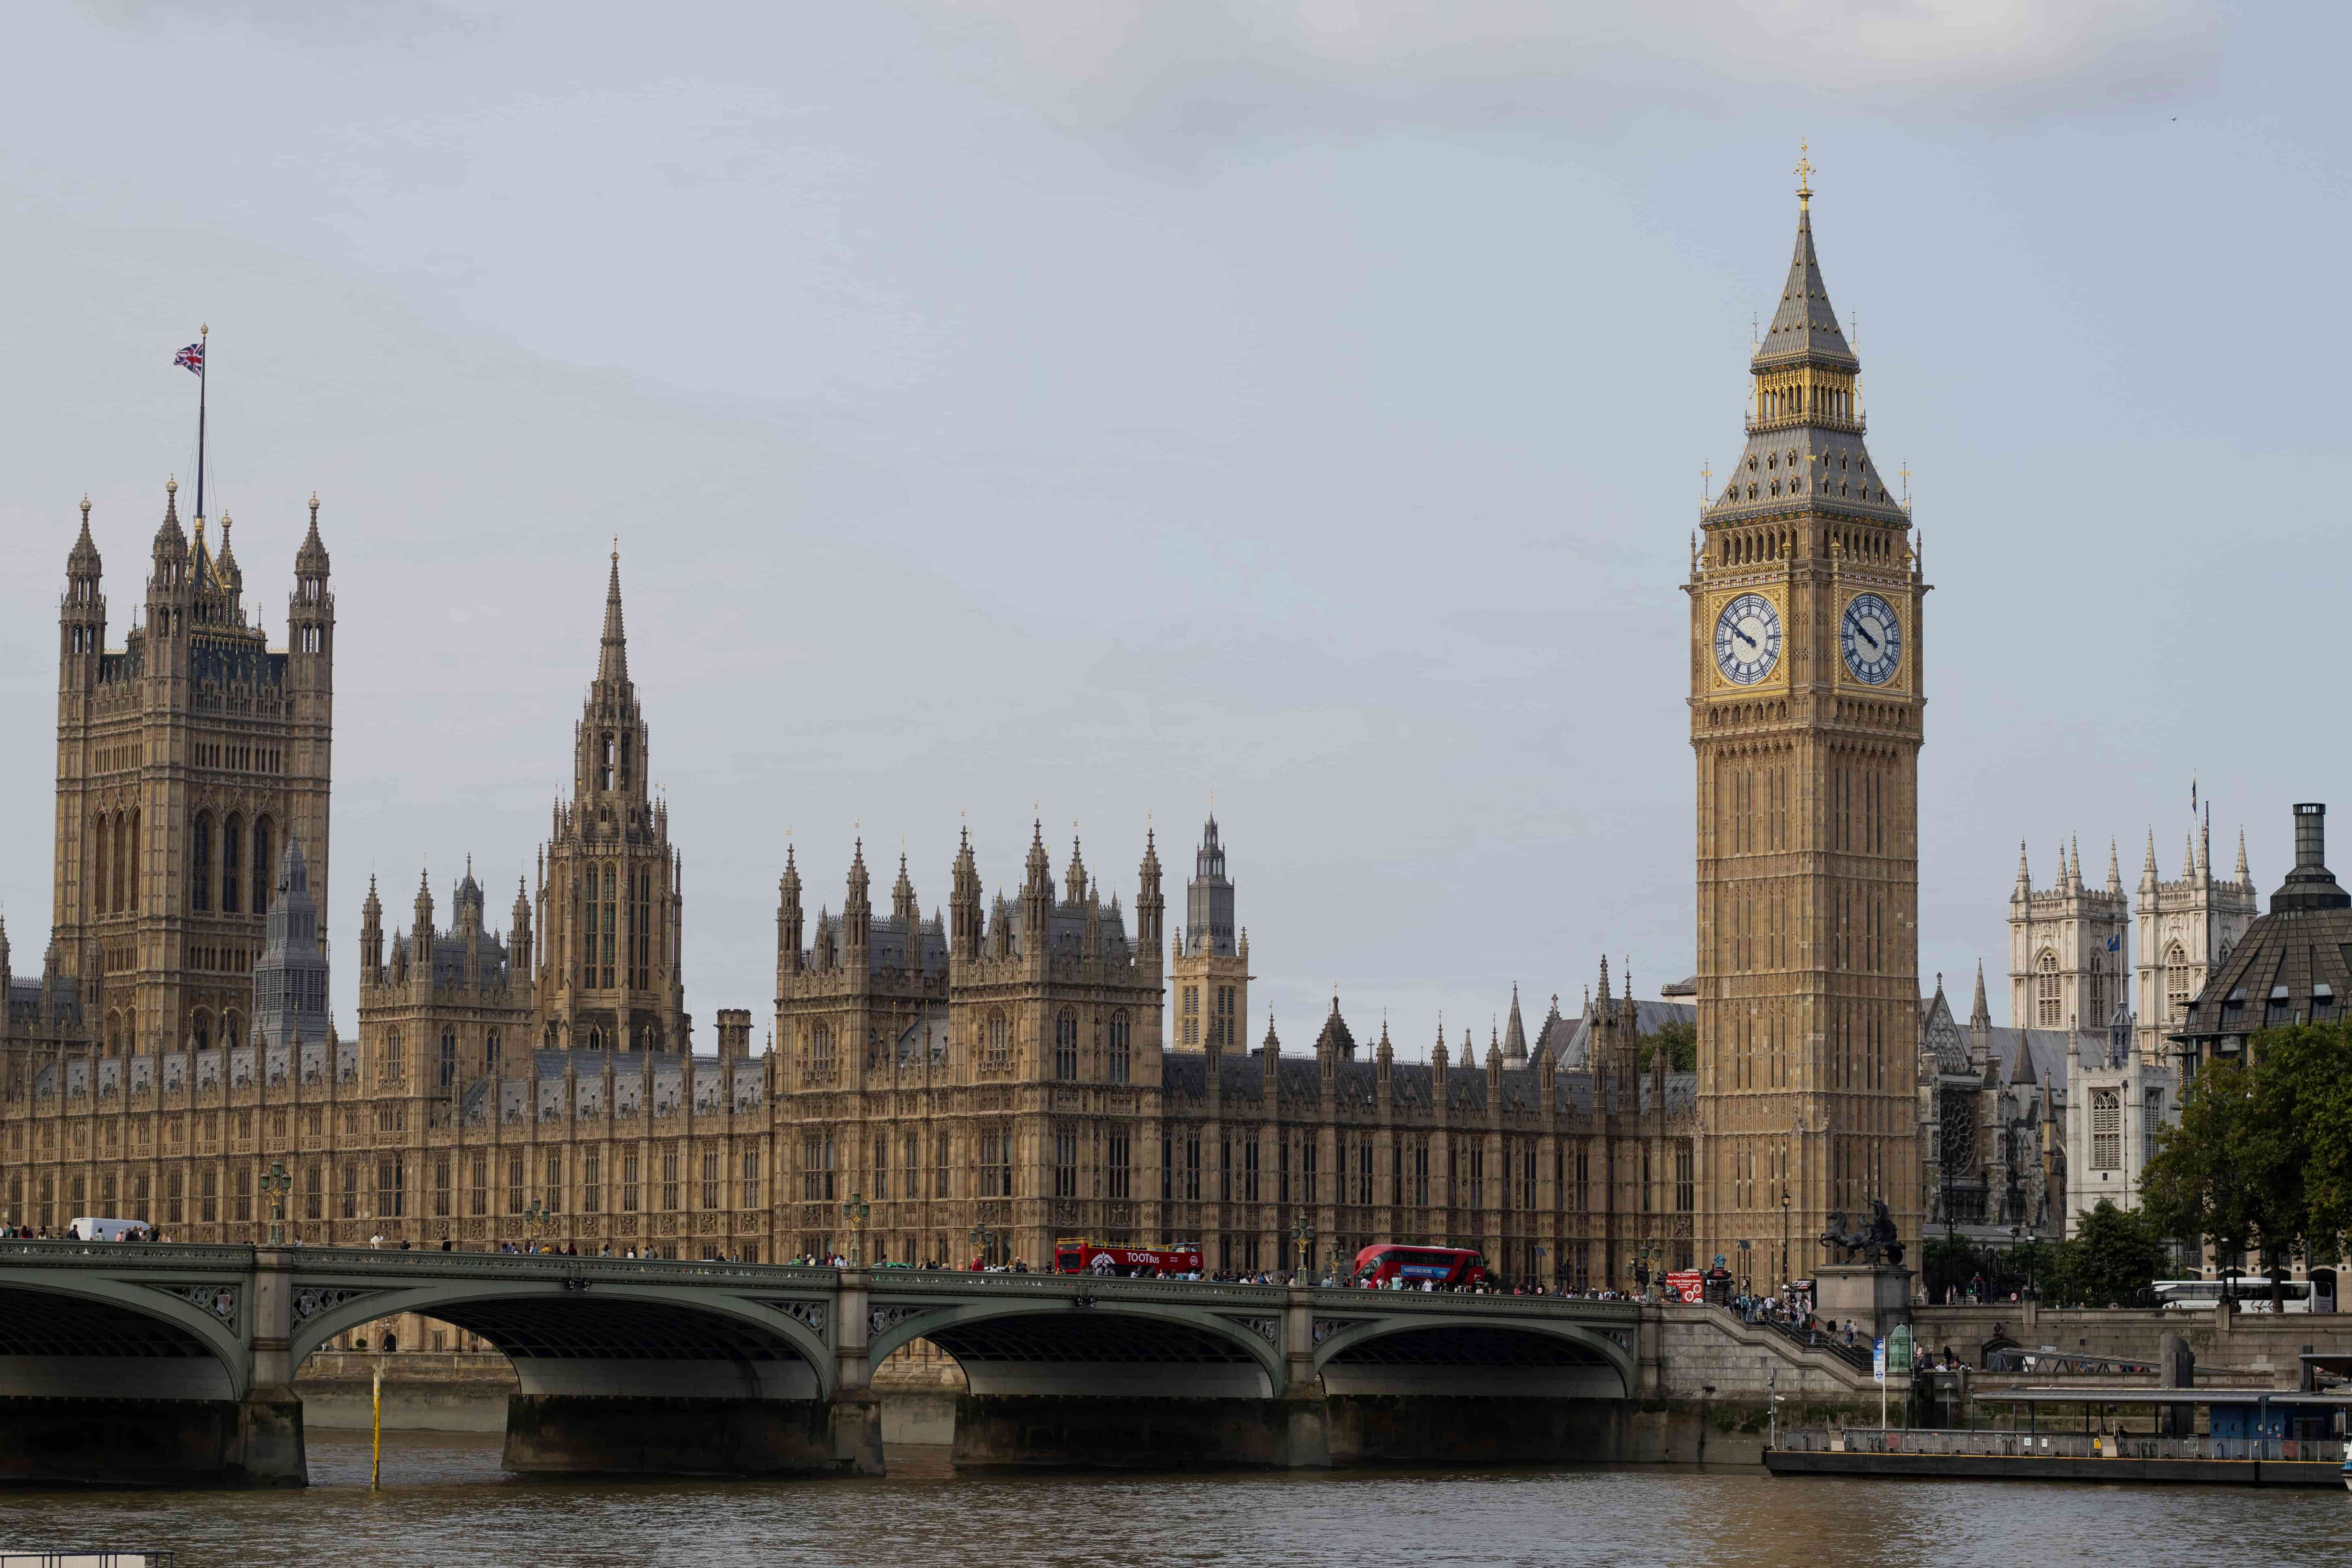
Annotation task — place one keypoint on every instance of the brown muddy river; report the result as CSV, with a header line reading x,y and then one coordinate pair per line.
x,y
447,1501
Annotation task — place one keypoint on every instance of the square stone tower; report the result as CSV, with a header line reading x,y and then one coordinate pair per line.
x,y
1808,693
1209,973
187,760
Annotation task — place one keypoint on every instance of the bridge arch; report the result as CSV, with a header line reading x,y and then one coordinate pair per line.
x,y
602,1337
1474,1354
80,1334
1093,1345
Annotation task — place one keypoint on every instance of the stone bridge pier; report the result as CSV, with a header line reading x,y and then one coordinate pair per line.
x,y
161,1370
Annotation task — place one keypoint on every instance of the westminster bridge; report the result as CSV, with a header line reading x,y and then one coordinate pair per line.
x,y
131,1362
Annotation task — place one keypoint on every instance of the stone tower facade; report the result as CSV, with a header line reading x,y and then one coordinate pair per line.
x,y
610,903
187,762
2067,952
289,982
2182,932
1807,695
1209,969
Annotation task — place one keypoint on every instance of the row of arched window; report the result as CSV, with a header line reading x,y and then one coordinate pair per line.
x,y
1795,402
996,1046
2048,1005
114,868
224,875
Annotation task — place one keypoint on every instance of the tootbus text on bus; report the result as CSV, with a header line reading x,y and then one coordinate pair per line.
x,y
1076,1255
1435,1268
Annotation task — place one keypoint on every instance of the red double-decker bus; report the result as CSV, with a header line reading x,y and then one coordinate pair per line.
x,y
1076,1255
1441,1267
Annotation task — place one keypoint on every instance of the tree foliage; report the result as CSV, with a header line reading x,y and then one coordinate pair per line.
x,y
1681,1042
2261,1156
2111,1260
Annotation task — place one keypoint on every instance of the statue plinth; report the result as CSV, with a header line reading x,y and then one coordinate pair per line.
x,y
1871,1297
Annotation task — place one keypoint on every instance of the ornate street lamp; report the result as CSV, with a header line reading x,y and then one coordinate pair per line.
x,y
536,1216
981,1237
854,1211
277,1184
1302,1237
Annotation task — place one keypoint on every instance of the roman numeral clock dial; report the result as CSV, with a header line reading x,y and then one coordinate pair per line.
x,y
1748,639
1871,639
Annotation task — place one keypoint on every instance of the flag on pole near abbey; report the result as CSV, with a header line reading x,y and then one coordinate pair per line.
x,y
192,358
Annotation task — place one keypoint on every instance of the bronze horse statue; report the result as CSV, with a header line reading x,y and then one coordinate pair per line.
x,y
1873,1242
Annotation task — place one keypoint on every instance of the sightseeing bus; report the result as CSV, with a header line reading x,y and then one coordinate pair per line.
x,y
1076,1255
1419,1268
2248,1292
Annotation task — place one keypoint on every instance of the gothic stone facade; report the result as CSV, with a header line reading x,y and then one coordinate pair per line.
x,y
1808,695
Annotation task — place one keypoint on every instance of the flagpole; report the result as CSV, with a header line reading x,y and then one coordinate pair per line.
x,y
204,367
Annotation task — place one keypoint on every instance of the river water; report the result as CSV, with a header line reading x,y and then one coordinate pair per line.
x,y
445,1500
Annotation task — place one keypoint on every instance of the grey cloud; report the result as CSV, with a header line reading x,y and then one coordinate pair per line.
x,y
1184,80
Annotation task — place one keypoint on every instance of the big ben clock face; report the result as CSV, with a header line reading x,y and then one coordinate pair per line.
x,y
1748,639
1871,639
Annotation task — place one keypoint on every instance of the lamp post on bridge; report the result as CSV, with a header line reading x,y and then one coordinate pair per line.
x,y
535,1217
981,1237
1784,1238
277,1184
856,1211
1302,1237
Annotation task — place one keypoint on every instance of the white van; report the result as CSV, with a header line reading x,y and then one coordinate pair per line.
x,y
87,1229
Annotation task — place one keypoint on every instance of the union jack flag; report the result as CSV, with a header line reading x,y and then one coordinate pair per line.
x,y
192,357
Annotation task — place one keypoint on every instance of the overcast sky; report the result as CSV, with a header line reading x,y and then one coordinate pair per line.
x,y
1103,405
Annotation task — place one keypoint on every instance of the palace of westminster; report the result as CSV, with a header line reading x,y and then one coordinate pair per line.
x,y
1047,1060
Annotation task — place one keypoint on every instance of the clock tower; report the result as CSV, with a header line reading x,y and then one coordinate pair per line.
x,y
1807,693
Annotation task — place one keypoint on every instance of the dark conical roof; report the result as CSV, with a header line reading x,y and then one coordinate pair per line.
x,y
613,655
310,560
83,559
1811,459
168,533
1805,329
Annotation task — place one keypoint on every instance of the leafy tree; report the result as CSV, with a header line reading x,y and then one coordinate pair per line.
x,y
2263,1154
2205,1176
2111,1259
2027,1266
1949,1263
1681,1041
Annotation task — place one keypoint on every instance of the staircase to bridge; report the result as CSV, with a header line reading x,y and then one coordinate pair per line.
x,y
173,1363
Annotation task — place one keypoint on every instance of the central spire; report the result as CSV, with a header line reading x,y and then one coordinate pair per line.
x,y
1805,329
1805,450
613,658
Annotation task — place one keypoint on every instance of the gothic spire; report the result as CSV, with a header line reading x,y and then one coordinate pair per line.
x,y
1804,330
2245,876
310,560
1979,1015
2115,870
1514,1038
168,534
612,656
902,903
2147,871
83,559
2024,878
